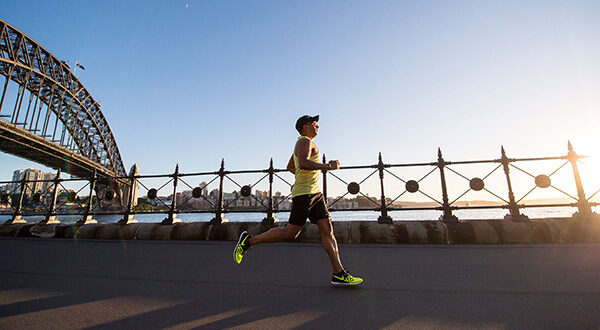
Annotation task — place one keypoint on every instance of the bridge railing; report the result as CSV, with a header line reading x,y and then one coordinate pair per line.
x,y
58,199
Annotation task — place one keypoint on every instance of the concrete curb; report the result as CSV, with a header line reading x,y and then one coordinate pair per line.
x,y
559,230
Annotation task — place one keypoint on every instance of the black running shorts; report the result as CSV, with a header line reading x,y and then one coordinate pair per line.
x,y
311,206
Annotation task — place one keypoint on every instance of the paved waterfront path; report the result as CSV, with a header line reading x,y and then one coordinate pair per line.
x,y
56,283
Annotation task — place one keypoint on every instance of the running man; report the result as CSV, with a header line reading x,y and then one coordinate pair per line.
x,y
307,202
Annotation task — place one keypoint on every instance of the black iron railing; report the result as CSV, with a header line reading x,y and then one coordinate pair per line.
x,y
103,199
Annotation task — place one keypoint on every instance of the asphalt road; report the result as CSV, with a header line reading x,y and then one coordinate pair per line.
x,y
62,284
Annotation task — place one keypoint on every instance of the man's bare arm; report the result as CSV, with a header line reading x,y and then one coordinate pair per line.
x,y
303,153
290,166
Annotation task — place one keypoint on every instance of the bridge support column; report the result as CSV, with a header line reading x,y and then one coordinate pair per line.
x,y
128,217
51,215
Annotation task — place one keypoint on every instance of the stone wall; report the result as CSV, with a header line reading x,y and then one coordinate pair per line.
x,y
560,230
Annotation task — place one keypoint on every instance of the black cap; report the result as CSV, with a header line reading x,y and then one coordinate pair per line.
x,y
305,120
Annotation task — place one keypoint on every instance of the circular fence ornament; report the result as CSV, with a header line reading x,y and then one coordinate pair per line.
x,y
476,184
152,193
543,181
353,188
109,195
197,192
412,186
37,198
245,191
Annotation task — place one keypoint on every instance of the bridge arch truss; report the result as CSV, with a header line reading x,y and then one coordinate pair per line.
x,y
51,103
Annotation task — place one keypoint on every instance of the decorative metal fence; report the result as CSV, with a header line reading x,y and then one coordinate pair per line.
x,y
100,201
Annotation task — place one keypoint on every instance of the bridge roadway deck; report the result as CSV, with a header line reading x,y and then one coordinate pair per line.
x,y
58,283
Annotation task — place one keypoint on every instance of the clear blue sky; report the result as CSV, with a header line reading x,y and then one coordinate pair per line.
x,y
191,82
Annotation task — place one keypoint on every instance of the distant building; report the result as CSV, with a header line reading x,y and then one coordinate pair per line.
x,y
40,184
342,204
204,186
262,195
17,176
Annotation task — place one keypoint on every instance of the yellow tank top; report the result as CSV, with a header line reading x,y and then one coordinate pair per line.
x,y
306,181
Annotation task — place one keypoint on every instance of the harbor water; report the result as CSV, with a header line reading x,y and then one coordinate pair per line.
x,y
533,213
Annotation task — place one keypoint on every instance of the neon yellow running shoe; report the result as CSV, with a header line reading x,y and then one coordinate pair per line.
x,y
241,247
344,278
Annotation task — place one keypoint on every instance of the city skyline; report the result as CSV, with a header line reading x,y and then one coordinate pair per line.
x,y
43,181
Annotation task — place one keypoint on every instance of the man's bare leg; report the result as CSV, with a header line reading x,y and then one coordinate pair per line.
x,y
277,234
330,244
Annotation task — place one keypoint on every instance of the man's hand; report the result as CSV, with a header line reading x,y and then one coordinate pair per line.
x,y
334,164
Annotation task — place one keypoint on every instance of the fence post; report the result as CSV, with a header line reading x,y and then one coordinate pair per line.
x,y
219,218
270,219
583,207
51,215
324,179
384,217
87,216
18,215
447,216
513,208
172,215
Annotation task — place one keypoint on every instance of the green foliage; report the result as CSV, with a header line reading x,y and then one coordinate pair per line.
x,y
143,206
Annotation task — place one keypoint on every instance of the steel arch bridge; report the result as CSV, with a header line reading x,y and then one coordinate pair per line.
x,y
53,119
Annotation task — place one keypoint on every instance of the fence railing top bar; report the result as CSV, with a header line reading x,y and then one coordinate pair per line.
x,y
463,162
110,178
410,164
197,173
275,170
246,171
357,167
149,176
62,180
